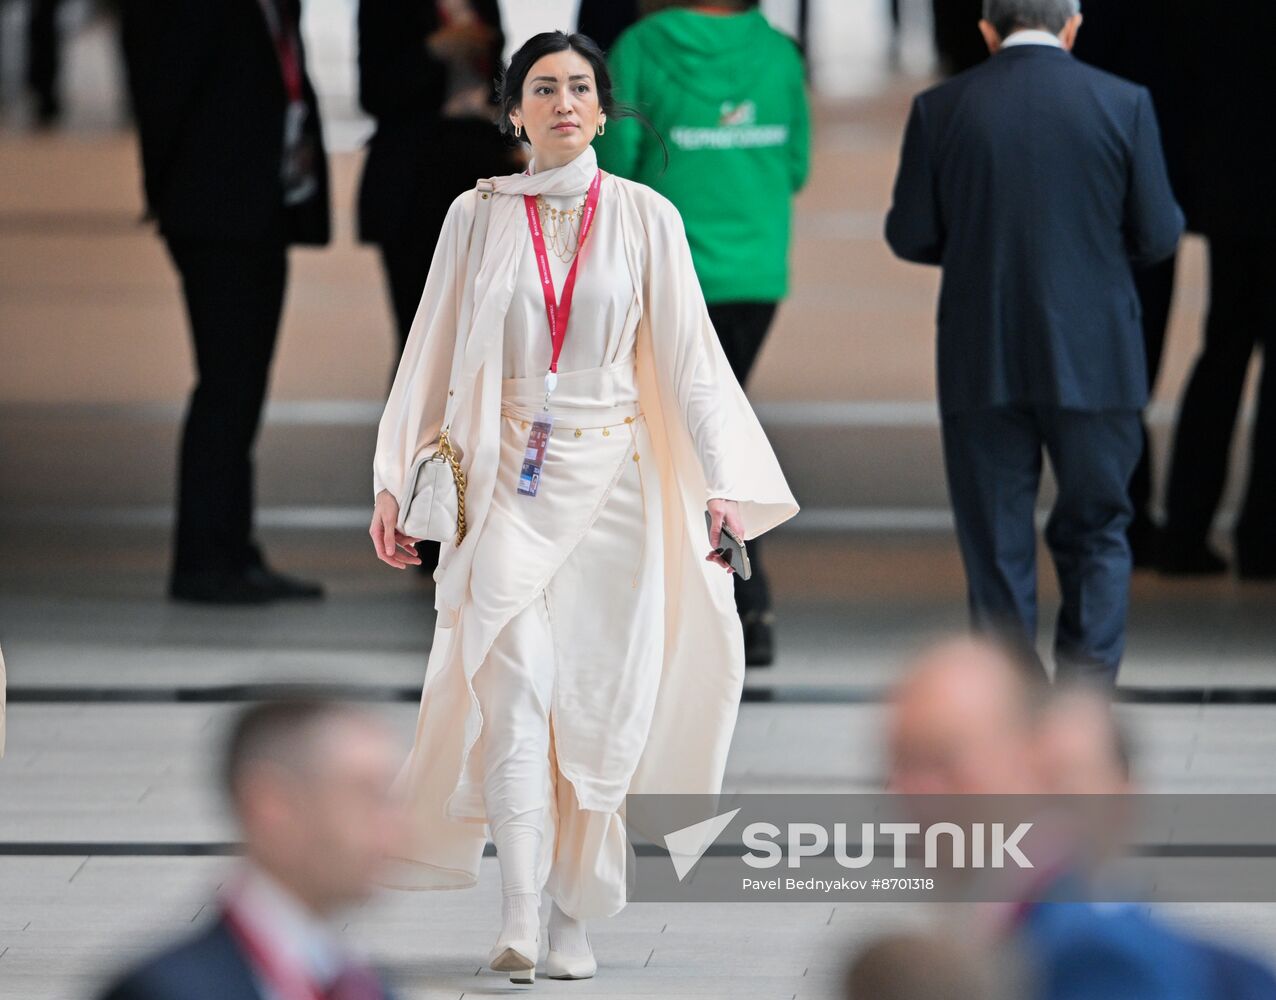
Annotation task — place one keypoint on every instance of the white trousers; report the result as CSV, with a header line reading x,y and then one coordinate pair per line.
x,y
572,677
515,688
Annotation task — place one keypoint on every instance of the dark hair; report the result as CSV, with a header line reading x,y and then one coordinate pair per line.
x,y
279,730
547,43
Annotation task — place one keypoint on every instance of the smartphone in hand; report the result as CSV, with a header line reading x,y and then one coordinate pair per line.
x,y
730,547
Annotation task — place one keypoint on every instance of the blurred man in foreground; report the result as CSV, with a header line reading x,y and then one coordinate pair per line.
x,y
974,717
309,782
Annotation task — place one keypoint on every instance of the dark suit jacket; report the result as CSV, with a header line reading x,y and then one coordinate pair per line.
x,y
403,87
208,966
1035,181
208,97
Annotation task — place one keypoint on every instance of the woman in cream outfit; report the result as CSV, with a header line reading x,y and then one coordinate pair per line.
x,y
586,644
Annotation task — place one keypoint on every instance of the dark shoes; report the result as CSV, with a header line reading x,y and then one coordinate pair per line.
x,y
1251,568
255,585
759,642
1196,559
1199,559
1144,538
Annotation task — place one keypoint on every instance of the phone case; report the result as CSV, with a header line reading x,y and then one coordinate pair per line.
x,y
731,547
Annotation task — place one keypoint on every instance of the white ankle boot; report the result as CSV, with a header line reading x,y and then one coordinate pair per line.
x,y
560,966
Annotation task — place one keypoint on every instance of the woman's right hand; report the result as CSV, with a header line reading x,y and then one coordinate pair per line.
x,y
387,539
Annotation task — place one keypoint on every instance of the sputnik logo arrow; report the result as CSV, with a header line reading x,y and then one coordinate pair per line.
x,y
687,846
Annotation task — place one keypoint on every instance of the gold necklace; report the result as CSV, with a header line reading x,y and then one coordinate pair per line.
x,y
561,227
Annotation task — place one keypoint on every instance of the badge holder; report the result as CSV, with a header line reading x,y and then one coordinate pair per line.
x,y
529,479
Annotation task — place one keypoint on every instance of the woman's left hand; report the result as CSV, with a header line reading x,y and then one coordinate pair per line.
x,y
728,510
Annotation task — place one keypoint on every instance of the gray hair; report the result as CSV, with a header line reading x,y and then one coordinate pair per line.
x,y
1011,15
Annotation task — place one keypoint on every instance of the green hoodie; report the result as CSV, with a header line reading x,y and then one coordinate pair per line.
x,y
727,94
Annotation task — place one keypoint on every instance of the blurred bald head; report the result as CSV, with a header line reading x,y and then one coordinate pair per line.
x,y
310,783
964,719
1084,749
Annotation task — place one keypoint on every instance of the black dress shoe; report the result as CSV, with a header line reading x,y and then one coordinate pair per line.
x,y
281,587
1249,568
1189,560
220,587
759,642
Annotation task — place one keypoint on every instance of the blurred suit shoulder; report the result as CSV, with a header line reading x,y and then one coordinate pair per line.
x,y
206,966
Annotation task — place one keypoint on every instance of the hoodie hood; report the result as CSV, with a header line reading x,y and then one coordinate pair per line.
x,y
714,56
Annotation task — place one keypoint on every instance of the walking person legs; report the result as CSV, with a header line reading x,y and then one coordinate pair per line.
x,y
1207,415
1093,455
1255,532
742,328
515,687
992,460
234,295
1155,286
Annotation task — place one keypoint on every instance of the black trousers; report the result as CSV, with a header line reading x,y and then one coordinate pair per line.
x,y
234,297
993,461
742,327
1242,316
1155,286
43,58
406,266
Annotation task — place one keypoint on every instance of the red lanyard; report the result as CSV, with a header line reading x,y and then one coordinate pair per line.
x,y
284,31
288,982
558,312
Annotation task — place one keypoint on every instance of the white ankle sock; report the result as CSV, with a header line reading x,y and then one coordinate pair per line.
x,y
567,934
521,916
518,846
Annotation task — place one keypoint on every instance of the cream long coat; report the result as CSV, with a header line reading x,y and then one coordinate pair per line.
x,y
703,667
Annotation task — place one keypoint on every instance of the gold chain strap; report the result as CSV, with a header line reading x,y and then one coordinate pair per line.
x,y
458,476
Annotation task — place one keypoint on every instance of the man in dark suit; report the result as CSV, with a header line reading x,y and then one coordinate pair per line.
x,y
1036,182
1231,81
310,785
234,171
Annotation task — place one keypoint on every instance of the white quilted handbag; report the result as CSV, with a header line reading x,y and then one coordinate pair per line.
x,y
437,508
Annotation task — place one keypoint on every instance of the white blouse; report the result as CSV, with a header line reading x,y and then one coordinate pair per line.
x,y
606,306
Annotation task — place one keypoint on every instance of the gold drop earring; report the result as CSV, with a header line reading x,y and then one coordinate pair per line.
x,y
518,130
602,124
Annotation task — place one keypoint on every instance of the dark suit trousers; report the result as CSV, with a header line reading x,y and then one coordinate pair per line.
x,y
993,461
234,296
742,327
1242,315
43,57
1155,286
